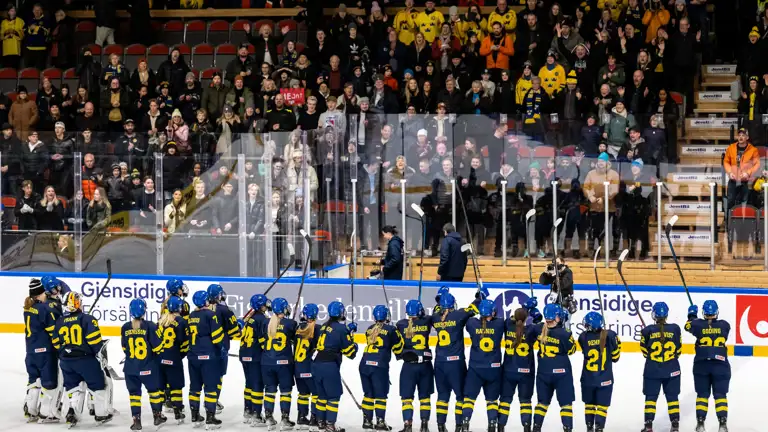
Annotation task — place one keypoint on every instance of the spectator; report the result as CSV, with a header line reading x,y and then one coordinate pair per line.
x,y
89,74
239,97
297,171
214,97
393,261
11,168
351,47
225,211
24,114
46,95
106,21
174,71
752,105
419,52
503,15
49,119
117,190
594,191
453,262
566,37
655,17
61,149
265,44
26,203
612,74
590,136
534,105
140,21
570,105
524,83
637,97
741,164
62,37
281,118
99,211
131,147
114,105
174,214
144,200
36,39
617,130
227,128
178,132
189,99
531,42
242,65
682,57
497,49
143,76
444,46
476,100
429,21
404,23
552,74
254,211
50,211
13,32
320,52
154,120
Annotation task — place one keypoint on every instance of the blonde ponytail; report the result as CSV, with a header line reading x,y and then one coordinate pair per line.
x,y
167,319
308,331
375,333
274,321
409,330
29,302
445,314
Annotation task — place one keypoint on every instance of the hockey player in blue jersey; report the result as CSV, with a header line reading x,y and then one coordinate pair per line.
x,y
519,364
41,362
177,288
54,290
417,371
305,384
333,341
450,367
484,372
77,338
601,348
205,338
228,321
142,342
554,374
175,331
252,338
277,363
382,339
661,344
711,369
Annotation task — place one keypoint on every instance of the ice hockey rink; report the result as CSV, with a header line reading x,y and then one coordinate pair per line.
x,y
746,409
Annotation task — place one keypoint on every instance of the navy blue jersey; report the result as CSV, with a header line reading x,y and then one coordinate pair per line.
x,y
597,370
332,341
520,358
450,333
278,350
252,337
39,323
55,305
141,346
184,312
77,335
388,341
661,351
205,334
228,322
305,347
416,339
487,341
175,341
555,349
710,339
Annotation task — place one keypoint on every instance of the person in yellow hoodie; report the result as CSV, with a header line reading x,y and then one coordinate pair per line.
x,y
506,16
429,21
405,23
12,30
615,6
523,84
471,21
552,74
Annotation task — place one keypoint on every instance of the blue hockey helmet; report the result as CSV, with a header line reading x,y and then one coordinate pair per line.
x,y
552,311
137,308
50,284
281,306
174,304
381,313
175,285
442,290
200,298
593,321
414,308
710,308
447,301
336,309
215,293
660,311
486,308
258,301
310,311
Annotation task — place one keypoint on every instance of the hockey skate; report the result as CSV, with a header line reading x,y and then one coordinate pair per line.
x,y
675,426
178,415
270,421
159,418
464,425
382,425
197,419
258,421
648,427
136,426
441,427
492,426
700,425
526,427
313,424
590,428
367,423
302,423
71,418
48,420
536,428
100,420
723,424
286,423
247,414
168,405
219,407
331,427
424,426
211,422
407,426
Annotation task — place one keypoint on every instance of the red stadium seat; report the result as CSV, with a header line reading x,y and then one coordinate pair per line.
x,y
224,54
53,74
256,27
293,29
156,55
541,152
29,78
173,33
95,50
70,78
300,47
218,32
85,33
12,96
184,49
237,34
743,225
112,49
9,77
194,32
202,56
132,55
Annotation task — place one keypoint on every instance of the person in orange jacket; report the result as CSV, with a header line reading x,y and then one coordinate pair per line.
x,y
497,48
741,163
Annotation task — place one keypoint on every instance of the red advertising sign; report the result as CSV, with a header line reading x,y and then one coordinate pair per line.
x,y
293,96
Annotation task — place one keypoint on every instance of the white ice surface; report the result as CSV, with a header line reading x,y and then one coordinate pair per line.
x,y
746,398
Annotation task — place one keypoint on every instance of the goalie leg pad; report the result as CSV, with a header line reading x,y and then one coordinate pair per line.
x,y
75,399
101,403
32,400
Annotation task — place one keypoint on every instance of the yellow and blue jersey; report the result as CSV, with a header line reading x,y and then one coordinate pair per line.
x,y
388,341
520,358
711,336
39,323
302,356
205,334
141,347
332,341
554,350
252,337
77,335
184,308
175,341
661,346
278,350
597,370
487,341
55,306
450,332
429,23
416,346
228,322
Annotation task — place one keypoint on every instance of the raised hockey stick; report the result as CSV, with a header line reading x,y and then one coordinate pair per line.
x,y
622,257
554,261
420,212
304,269
667,231
531,213
597,282
106,284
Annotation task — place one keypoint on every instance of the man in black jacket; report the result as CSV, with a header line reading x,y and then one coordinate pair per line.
x,y
10,148
280,119
682,56
131,147
174,72
106,21
392,263
453,261
265,43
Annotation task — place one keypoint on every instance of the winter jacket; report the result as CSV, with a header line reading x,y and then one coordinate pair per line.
x,y
498,59
27,220
593,186
23,117
260,46
213,100
173,73
453,262
50,219
15,31
618,130
749,163
106,13
393,261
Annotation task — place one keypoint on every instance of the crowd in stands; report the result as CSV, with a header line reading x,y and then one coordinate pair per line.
x,y
421,95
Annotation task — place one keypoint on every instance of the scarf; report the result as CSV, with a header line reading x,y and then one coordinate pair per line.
x,y
532,106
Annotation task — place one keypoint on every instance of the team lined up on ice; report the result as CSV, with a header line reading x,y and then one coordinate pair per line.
x,y
277,352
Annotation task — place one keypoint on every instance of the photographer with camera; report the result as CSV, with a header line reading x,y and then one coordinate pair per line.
x,y
561,280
